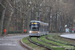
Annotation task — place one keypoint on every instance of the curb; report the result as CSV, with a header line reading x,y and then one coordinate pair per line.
x,y
66,38
28,47
13,34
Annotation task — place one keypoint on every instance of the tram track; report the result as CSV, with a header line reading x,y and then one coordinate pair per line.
x,y
50,43
65,41
59,41
41,45
72,40
54,37
47,42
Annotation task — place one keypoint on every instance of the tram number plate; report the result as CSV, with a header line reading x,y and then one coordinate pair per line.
x,y
34,31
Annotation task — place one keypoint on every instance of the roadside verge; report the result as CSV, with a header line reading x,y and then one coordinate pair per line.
x,y
25,45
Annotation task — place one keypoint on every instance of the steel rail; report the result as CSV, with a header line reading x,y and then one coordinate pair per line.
x,y
41,45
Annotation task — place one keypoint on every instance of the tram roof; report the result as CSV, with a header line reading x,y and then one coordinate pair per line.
x,y
42,23
34,21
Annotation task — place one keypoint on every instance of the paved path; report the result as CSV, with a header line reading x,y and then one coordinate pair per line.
x,y
71,35
11,42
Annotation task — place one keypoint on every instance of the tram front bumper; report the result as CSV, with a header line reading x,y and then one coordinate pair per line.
x,y
34,34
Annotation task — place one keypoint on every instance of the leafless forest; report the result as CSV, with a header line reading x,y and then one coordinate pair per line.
x,y
15,15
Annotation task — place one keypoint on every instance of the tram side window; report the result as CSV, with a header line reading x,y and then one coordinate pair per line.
x,y
41,28
46,28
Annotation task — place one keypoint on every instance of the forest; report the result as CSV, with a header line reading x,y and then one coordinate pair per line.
x,y
15,15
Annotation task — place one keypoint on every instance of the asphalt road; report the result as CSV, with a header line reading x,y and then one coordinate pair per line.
x,y
11,42
71,35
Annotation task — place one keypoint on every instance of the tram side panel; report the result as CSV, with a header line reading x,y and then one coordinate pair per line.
x,y
41,30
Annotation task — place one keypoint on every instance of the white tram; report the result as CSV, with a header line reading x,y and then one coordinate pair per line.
x,y
38,28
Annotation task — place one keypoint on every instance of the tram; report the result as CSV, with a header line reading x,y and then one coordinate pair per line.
x,y
38,28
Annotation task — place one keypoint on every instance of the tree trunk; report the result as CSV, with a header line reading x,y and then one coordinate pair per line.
x,y
23,24
28,21
3,13
9,20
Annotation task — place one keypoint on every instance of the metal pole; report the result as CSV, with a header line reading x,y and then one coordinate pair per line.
x,y
14,24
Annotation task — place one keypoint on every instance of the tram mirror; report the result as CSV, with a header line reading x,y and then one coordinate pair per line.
x,y
29,25
39,25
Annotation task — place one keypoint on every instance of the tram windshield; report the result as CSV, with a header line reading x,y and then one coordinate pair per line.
x,y
34,26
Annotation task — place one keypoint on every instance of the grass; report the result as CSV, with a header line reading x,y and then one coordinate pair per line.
x,y
25,40
66,40
48,45
59,46
62,41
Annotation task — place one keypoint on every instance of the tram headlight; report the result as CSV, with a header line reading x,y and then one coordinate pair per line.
x,y
38,32
29,31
